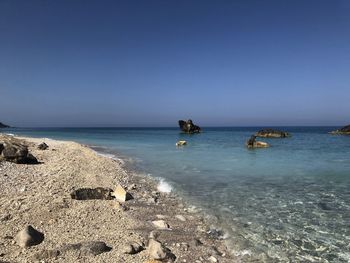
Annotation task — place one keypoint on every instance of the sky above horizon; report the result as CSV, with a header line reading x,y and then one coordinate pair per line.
x,y
151,63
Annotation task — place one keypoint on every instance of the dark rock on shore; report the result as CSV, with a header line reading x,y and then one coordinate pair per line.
x,y
189,127
16,152
270,133
43,146
4,125
92,193
343,131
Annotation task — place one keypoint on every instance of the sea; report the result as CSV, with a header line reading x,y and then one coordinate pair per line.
x,y
286,203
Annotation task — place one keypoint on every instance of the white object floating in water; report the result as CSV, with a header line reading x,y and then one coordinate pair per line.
x,y
181,143
164,187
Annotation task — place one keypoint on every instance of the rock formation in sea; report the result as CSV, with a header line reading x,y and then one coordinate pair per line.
x,y
270,133
189,127
4,125
343,131
253,143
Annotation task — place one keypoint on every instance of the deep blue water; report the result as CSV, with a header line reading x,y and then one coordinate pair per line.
x,y
286,203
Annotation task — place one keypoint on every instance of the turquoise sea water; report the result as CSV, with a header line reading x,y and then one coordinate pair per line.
x,y
287,203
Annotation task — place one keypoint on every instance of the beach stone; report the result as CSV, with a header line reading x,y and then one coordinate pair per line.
x,y
43,146
87,248
92,193
161,224
133,248
121,195
29,237
212,259
196,242
16,152
156,250
152,200
180,217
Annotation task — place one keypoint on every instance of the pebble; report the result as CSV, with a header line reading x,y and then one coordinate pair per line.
x,y
120,194
161,224
156,250
212,259
133,248
29,237
180,217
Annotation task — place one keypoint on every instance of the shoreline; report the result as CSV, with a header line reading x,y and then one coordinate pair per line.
x,y
44,202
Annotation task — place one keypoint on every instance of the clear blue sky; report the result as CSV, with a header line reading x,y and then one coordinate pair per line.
x,y
150,63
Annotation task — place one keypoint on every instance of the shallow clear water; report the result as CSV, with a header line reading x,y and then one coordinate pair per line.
x,y
290,202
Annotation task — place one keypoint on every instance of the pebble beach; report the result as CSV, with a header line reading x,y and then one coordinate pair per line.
x,y
151,226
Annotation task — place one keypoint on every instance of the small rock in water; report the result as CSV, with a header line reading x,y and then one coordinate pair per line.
x,y
121,195
161,224
29,237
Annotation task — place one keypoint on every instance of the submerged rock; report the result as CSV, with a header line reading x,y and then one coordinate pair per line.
x,y
29,237
343,131
189,127
270,133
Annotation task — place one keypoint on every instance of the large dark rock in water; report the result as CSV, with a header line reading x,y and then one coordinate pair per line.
x,y
4,125
270,133
343,131
189,127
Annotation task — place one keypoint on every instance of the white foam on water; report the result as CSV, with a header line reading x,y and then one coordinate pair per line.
x,y
164,187
10,134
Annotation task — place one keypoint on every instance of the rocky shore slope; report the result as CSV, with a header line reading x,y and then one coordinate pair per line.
x,y
64,209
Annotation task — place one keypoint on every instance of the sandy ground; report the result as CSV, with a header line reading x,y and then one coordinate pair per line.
x,y
39,195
